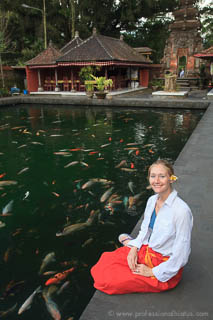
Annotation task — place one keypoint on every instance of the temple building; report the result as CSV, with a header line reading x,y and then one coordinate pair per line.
x,y
184,41
58,70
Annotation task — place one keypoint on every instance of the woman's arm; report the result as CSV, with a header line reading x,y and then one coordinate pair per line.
x,y
181,247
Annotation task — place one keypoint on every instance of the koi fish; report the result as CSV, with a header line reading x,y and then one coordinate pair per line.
x,y
7,209
7,183
56,135
128,169
50,257
52,308
27,304
106,195
122,163
12,286
59,277
131,186
16,128
23,170
148,145
84,164
61,153
36,142
2,175
79,226
2,224
48,273
88,184
64,286
56,194
75,149
131,148
132,144
26,195
93,152
151,151
71,164
105,145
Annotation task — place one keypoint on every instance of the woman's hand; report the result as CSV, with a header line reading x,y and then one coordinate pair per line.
x,y
132,258
143,270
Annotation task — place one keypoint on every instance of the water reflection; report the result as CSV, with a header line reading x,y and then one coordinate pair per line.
x,y
76,174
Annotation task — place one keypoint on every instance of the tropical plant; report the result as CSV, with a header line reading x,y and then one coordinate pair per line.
x,y
86,74
102,83
4,92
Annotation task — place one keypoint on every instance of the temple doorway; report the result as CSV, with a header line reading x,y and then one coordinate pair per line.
x,y
182,64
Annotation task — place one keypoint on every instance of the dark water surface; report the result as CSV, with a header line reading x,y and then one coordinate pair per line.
x,y
45,195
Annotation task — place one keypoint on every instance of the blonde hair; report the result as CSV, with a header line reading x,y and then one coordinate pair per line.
x,y
164,163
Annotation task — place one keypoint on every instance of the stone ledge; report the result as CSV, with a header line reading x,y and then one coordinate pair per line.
x,y
210,94
166,94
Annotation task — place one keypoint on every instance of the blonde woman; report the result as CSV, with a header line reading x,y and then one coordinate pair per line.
x,y
154,260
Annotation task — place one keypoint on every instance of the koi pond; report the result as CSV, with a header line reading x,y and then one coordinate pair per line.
x,y
71,180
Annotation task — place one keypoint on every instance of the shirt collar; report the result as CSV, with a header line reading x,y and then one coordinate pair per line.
x,y
171,198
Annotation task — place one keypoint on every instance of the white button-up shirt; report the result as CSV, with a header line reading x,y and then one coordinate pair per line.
x,y
171,235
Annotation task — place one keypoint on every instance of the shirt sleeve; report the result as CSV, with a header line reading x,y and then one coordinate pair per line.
x,y
181,248
138,241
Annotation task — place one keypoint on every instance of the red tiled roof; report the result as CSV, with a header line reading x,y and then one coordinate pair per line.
x,y
205,54
46,57
101,48
72,44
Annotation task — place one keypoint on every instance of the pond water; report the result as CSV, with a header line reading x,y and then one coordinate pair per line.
x,y
47,155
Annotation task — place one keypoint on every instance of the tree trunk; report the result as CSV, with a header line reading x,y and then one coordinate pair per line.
x,y
72,2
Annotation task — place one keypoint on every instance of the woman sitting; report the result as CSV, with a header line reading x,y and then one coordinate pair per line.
x,y
154,261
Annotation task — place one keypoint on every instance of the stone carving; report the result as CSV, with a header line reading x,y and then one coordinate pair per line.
x,y
170,82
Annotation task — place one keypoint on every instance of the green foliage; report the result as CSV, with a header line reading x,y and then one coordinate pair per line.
x,y
31,51
157,83
102,83
4,92
153,33
207,25
87,72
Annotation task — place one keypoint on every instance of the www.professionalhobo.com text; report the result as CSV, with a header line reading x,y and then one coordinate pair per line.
x,y
146,313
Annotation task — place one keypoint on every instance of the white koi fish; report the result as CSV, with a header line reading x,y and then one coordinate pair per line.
x,y
27,304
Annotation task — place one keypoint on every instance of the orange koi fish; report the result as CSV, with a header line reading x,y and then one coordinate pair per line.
x,y
93,152
76,149
56,194
137,152
59,277
2,175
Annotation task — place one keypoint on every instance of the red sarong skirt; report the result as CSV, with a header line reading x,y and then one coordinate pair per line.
x,y
112,274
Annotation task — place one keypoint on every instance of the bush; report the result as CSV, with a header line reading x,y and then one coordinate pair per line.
x,y
4,92
157,83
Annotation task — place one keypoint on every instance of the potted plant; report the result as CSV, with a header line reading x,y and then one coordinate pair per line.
x,y
102,84
89,86
86,76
